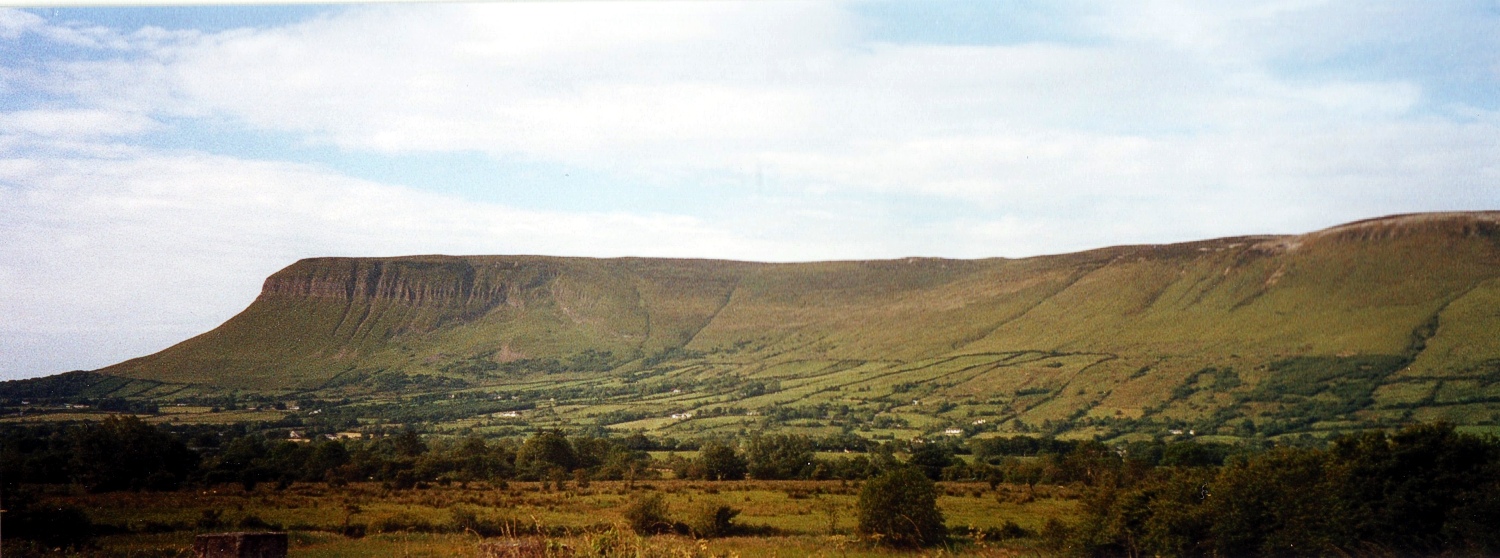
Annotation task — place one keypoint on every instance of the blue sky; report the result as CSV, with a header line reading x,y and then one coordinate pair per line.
x,y
157,163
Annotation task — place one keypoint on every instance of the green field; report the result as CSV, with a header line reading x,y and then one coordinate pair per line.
x,y
780,518
1372,324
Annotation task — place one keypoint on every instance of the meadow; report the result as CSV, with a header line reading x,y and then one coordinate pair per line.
x,y
123,487
777,518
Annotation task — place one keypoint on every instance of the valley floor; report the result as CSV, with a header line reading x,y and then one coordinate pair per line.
x,y
777,518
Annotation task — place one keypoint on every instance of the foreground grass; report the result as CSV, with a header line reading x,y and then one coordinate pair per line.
x,y
781,518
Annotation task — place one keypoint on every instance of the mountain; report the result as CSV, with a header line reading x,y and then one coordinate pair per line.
x,y
1370,323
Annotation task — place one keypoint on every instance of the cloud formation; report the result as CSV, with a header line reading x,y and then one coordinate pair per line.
x,y
1168,96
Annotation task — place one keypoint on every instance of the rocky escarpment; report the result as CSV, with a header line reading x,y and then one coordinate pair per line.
x,y
1469,224
428,281
1362,288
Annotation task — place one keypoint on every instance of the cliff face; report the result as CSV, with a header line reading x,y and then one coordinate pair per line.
x,y
441,282
1363,288
1421,226
319,317
451,287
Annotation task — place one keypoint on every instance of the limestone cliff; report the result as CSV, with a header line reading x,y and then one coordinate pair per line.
x,y
1374,287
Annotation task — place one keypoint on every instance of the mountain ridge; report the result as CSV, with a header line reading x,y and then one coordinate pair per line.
x,y
1112,334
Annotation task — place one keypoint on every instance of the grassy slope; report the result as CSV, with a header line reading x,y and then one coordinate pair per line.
x,y
1112,333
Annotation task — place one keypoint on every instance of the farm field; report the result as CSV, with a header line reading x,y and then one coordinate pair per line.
x,y
777,518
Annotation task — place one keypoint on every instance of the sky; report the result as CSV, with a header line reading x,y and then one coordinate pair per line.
x,y
156,164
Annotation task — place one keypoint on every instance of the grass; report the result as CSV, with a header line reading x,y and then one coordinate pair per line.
x,y
786,518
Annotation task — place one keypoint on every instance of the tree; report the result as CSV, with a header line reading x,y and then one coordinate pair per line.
x,y
125,453
479,460
542,453
779,456
899,508
721,462
1161,514
325,457
1400,491
1275,504
409,444
932,458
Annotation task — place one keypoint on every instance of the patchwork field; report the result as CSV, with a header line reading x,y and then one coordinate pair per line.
x,y
1372,324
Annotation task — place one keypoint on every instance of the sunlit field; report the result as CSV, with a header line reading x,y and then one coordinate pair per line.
x,y
777,518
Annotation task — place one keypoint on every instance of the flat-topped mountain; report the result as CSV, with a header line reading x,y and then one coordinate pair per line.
x,y
1372,322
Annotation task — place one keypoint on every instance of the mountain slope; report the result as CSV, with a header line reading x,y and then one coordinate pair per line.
x,y
1381,320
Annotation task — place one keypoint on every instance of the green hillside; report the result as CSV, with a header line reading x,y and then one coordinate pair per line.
x,y
1373,323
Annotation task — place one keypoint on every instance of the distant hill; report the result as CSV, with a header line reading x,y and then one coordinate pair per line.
x,y
1371,323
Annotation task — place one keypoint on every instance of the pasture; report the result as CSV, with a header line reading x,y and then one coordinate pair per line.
x,y
776,518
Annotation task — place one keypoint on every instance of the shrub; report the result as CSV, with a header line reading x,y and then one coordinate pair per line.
x,y
49,525
468,519
209,520
710,521
899,508
648,514
253,522
1011,530
401,522
1057,537
405,480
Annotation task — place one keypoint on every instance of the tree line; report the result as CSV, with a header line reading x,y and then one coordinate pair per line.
x,y
126,453
1425,490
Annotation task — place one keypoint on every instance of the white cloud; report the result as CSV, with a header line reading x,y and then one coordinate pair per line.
x,y
668,91
15,22
74,123
1173,121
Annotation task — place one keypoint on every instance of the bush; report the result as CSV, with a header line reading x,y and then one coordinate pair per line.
x,y
210,519
1009,530
401,522
648,514
1057,537
899,509
710,521
49,525
253,522
468,519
